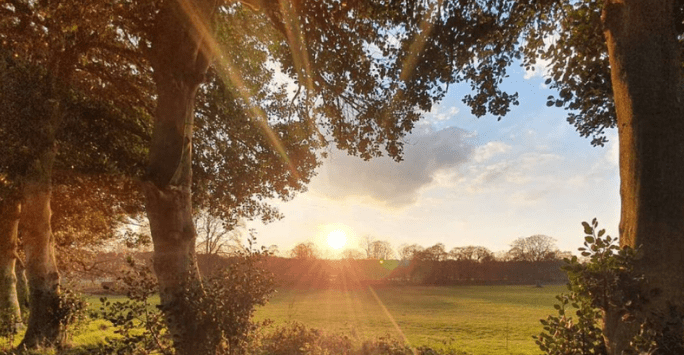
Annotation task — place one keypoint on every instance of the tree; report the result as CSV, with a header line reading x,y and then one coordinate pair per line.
x,y
10,310
46,48
471,253
354,81
533,248
433,253
377,249
213,237
304,251
29,159
409,252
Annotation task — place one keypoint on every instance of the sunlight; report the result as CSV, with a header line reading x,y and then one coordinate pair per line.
x,y
230,74
337,239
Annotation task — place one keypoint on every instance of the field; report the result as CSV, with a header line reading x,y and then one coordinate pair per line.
x,y
475,319
479,320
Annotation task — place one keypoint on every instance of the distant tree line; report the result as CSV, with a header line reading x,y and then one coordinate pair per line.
x,y
530,260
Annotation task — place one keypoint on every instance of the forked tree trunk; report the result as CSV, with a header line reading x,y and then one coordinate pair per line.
x,y
180,61
41,267
10,310
645,71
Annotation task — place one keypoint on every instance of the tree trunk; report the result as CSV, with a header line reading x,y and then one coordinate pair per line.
x,y
180,60
41,267
22,287
645,71
10,310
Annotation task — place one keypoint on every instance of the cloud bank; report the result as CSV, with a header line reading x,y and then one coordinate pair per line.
x,y
390,183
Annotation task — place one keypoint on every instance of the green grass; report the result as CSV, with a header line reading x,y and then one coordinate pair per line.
x,y
476,319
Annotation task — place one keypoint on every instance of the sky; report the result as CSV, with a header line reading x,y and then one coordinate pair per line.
x,y
463,181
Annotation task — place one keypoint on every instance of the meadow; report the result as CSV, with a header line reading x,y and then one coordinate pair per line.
x,y
478,320
475,319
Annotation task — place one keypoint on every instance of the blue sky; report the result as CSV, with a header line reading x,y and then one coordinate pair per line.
x,y
464,181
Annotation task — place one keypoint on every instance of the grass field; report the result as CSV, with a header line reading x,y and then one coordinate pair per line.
x,y
476,319
479,320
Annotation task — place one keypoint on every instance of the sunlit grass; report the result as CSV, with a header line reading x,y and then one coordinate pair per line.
x,y
476,319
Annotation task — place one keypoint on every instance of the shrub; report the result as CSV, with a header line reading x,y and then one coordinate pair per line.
x,y
605,281
71,313
222,305
139,323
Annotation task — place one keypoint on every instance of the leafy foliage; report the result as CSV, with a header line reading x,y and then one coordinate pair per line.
x,y
605,282
135,313
71,313
224,303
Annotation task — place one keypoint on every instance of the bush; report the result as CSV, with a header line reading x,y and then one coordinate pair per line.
x,y
71,313
297,339
606,281
222,305
139,323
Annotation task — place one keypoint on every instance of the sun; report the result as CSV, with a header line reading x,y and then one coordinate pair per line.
x,y
337,239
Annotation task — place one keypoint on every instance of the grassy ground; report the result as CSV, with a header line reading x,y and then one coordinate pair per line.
x,y
476,319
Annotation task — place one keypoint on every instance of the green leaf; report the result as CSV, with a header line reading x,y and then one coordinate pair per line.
x,y
589,239
587,228
601,232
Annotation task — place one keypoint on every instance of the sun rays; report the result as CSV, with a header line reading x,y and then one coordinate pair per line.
x,y
230,73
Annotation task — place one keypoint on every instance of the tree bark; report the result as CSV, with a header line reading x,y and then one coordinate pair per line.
x,y
41,267
179,56
646,77
10,309
22,287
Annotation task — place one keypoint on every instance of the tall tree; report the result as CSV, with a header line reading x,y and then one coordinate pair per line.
x,y
215,237
52,50
10,310
81,216
364,102
409,252
433,253
534,248
304,251
377,249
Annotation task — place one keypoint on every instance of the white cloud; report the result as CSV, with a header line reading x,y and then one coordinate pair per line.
x,y
489,150
529,197
522,172
440,114
540,69
390,183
